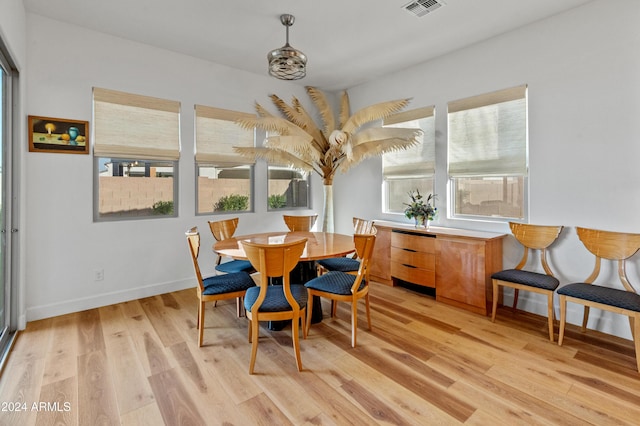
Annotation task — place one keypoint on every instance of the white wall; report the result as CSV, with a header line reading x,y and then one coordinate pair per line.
x,y
583,72
139,257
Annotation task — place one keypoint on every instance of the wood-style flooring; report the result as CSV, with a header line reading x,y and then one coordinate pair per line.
x,y
137,363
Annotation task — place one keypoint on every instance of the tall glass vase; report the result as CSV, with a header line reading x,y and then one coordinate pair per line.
x,y
327,209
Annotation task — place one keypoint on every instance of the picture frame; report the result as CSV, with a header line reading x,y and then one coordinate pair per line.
x,y
58,135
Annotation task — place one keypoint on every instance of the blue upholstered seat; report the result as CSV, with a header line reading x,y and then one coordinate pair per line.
x,y
605,295
275,301
532,279
228,283
335,282
235,266
343,264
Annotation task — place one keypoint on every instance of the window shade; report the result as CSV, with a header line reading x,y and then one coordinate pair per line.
x,y
217,134
134,126
419,160
488,134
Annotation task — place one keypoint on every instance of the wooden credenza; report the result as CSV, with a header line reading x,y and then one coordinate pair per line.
x,y
457,263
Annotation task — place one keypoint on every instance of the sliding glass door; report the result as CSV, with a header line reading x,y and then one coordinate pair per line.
x,y
7,324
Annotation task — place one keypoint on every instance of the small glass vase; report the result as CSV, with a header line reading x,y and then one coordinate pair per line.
x,y
421,221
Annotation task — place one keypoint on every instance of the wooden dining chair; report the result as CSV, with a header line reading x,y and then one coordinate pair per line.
x,y
275,302
345,287
222,230
610,246
217,287
533,238
349,264
300,223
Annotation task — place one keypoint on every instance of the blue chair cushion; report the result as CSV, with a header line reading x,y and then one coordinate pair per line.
x,y
344,264
235,266
275,301
532,279
335,282
605,295
228,283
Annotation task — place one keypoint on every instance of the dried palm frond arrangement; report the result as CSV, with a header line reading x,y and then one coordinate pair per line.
x,y
295,140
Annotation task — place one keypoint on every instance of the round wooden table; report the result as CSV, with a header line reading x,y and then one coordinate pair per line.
x,y
320,245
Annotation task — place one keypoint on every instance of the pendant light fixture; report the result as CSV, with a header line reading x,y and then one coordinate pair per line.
x,y
287,63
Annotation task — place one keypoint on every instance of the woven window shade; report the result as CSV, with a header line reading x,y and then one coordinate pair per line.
x,y
217,133
419,160
135,126
488,134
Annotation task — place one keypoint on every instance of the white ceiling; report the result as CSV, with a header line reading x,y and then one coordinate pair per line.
x,y
347,42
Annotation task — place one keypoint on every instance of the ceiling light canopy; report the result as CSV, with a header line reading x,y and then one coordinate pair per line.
x,y
287,63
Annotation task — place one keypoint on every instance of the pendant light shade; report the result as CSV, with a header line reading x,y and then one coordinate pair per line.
x,y
287,63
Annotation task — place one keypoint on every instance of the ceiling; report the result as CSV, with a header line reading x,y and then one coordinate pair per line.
x,y
347,42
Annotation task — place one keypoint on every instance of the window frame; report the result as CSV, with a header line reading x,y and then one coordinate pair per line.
x,y
208,155
405,117
453,179
307,178
96,192
113,140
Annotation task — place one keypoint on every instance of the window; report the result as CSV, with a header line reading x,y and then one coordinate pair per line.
x,y
288,188
136,151
414,168
224,178
488,154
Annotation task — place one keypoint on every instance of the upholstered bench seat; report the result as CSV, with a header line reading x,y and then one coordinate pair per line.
x,y
275,301
605,295
532,279
342,264
235,266
228,283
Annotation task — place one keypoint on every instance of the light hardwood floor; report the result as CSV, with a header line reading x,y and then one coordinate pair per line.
x,y
137,363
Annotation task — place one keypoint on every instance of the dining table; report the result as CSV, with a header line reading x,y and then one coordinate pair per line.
x,y
320,245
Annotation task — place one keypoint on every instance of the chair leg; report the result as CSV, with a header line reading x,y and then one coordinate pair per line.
x,y
254,344
309,314
563,319
550,314
585,318
636,338
295,331
495,301
367,306
516,292
303,321
200,323
334,308
354,322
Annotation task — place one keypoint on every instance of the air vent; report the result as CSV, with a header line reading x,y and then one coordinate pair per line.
x,y
422,7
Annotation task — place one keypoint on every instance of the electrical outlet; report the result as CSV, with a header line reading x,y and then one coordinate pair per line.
x,y
98,275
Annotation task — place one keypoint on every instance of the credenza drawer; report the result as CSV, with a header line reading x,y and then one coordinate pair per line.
x,y
419,243
414,258
413,275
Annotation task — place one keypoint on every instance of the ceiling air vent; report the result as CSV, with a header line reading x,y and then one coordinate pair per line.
x,y
422,7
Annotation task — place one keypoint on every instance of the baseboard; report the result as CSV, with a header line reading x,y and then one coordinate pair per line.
x,y
104,299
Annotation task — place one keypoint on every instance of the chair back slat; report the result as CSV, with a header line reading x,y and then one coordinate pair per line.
x,y
362,226
274,260
193,240
615,246
364,248
223,229
535,237
300,223
609,245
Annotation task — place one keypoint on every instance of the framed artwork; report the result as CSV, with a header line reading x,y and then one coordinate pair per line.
x,y
58,135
